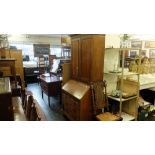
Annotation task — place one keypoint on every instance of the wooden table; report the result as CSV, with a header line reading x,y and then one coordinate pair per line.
x,y
50,85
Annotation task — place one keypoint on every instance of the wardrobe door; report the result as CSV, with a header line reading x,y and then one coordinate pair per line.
x,y
75,57
85,59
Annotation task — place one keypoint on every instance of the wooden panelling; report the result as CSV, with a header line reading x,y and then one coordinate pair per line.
x,y
66,72
75,57
85,59
97,58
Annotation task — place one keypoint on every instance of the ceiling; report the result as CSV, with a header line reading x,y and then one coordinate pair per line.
x,y
47,35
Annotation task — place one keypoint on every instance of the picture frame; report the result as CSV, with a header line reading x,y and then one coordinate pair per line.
x,y
136,44
152,53
41,49
149,44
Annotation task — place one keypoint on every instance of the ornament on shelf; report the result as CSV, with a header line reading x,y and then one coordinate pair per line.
x,y
146,66
152,65
133,66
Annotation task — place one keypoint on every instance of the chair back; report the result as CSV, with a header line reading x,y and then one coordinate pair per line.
x,y
33,113
99,95
28,107
41,65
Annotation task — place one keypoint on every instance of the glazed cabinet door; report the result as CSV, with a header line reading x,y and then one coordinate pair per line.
x,y
75,57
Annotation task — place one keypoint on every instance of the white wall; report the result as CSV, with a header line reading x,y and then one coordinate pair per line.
x,y
111,56
111,59
112,41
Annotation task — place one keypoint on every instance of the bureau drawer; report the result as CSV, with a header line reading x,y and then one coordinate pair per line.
x,y
71,107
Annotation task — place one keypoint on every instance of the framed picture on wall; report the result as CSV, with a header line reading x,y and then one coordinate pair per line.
x,y
150,44
152,53
136,44
41,49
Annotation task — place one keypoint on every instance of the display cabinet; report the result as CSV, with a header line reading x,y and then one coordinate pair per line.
x,y
66,51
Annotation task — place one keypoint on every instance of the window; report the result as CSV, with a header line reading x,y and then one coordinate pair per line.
x,y
56,51
27,49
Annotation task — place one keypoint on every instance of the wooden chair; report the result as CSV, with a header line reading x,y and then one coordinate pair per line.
x,y
40,114
100,102
41,67
32,108
41,64
25,95
33,113
28,107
